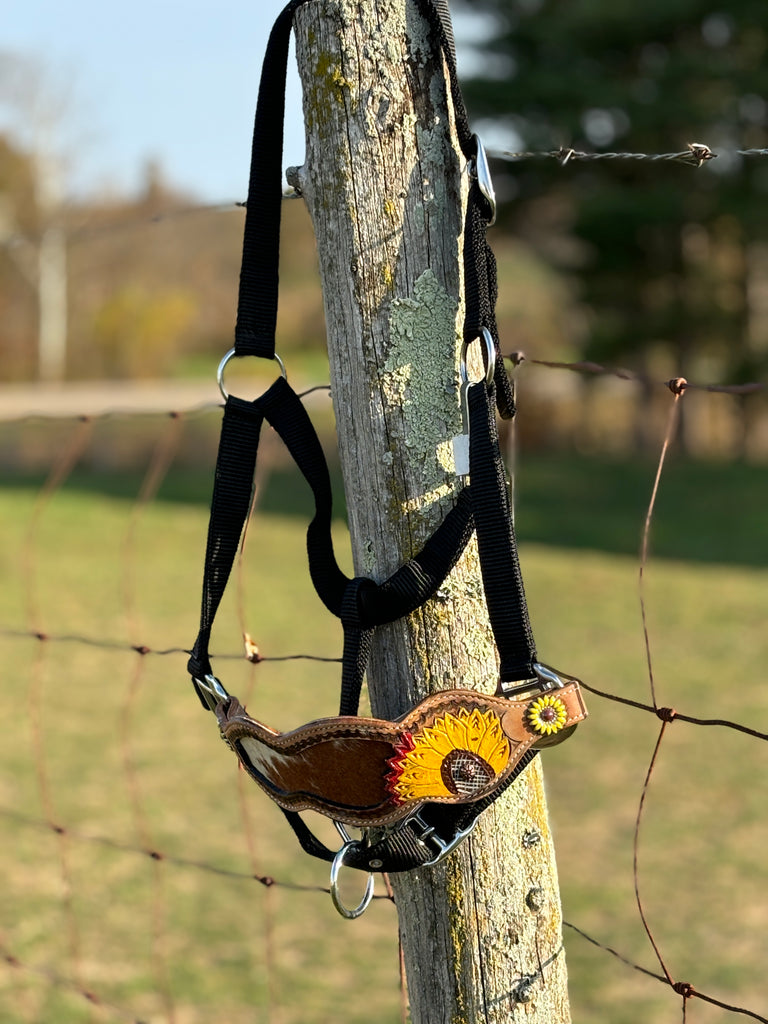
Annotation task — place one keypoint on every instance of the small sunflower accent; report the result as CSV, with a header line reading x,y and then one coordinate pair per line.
x,y
458,755
546,715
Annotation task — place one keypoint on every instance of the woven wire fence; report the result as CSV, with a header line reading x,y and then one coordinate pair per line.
x,y
147,880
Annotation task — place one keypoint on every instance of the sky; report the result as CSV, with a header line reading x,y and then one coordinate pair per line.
x,y
158,80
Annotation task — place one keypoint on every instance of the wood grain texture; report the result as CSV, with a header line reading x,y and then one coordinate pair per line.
x,y
385,183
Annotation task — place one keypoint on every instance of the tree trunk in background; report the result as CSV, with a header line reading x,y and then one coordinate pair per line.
x,y
385,183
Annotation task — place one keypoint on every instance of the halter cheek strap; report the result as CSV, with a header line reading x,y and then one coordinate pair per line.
x,y
421,782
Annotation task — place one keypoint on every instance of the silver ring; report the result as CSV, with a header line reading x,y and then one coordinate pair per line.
x,y
338,860
223,366
490,352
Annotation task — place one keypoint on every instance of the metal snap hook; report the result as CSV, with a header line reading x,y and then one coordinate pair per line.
x,y
362,906
490,353
223,366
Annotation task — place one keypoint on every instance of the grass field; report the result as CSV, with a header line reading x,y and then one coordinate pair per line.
x,y
112,744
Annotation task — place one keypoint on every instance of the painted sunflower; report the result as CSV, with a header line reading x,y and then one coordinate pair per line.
x,y
546,715
458,755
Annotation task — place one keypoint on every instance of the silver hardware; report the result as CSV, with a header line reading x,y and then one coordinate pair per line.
x,y
460,443
546,679
223,365
482,172
338,861
211,690
490,352
429,835
341,828
550,680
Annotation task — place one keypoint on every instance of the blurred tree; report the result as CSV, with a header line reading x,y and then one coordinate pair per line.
x,y
137,333
34,105
18,275
667,258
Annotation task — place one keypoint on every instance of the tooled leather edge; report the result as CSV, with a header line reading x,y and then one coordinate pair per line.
x,y
235,723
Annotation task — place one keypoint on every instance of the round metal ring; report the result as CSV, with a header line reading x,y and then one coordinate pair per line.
x,y
223,365
338,861
490,352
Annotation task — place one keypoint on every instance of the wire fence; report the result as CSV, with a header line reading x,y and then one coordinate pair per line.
x,y
64,941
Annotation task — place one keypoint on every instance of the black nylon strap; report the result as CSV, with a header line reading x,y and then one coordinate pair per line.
x,y
481,293
408,588
259,275
284,411
479,261
497,547
357,648
415,581
233,483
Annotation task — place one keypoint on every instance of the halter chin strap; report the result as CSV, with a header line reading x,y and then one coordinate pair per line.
x,y
416,785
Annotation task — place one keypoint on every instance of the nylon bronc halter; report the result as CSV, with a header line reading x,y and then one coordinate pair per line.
x,y
415,786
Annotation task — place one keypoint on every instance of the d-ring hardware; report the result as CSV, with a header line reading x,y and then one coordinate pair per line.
x,y
483,174
490,353
223,365
338,861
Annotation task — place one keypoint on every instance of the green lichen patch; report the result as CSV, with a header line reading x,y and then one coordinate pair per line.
x,y
419,378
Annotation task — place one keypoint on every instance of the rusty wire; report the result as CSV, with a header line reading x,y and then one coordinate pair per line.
x,y
144,845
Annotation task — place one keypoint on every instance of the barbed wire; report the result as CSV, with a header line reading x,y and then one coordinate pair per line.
x,y
158,466
664,713
519,358
688,991
696,154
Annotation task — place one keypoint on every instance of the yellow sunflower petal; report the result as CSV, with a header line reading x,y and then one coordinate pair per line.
x,y
439,737
494,746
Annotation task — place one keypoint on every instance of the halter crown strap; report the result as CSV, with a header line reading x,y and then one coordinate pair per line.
x,y
257,299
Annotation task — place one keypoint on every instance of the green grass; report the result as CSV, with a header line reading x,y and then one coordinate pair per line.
x,y
96,571
706,511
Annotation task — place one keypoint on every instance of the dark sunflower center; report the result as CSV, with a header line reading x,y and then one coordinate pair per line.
x,y
548,714
465,773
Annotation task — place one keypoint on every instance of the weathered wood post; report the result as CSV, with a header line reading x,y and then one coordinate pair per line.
x,y
385,183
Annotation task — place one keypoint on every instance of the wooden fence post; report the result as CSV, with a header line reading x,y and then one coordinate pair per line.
x,y
385,183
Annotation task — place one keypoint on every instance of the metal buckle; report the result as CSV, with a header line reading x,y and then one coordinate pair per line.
x,y
482,172
429,835
545,679
211,690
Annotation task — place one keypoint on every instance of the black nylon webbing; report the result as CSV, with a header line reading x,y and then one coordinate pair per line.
x,y
357,648
497,547
479,261
408,588
363,604
259,275
233,483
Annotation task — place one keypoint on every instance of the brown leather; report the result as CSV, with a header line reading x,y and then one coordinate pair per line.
x,y
456,746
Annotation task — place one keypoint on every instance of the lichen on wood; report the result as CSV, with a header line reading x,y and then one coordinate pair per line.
x,y
384,182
